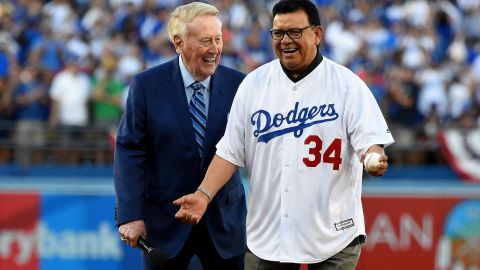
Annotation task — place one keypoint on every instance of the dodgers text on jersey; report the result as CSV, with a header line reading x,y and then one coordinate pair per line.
x,y
295,121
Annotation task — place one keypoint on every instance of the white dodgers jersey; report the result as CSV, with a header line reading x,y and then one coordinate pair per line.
x,y
300,143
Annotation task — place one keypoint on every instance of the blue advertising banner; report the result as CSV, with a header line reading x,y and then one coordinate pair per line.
x,y
78,233
52,224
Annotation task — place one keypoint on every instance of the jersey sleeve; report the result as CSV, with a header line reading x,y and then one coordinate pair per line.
x,y
232,145
366,125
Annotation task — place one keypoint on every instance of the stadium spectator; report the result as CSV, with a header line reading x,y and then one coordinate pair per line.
x,y
31,101
107,91
158,50
70,93
48,51
107,105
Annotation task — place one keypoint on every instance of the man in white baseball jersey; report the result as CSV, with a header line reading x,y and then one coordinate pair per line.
x,y
300,125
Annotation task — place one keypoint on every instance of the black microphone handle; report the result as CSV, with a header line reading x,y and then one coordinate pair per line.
x,y
144,244
154,255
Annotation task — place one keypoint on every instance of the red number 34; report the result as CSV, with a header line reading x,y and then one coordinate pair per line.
x,y
332,153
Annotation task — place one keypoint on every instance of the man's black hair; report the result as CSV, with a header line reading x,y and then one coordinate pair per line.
x,y
289,6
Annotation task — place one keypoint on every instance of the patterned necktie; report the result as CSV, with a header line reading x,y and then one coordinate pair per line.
x,y
198,112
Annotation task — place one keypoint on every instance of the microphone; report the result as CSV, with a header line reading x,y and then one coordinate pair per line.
x,y
154,255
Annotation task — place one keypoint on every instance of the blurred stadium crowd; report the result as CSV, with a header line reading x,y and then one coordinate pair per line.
x,y
65,66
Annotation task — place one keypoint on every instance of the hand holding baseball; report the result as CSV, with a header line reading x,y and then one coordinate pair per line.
x,y
375,164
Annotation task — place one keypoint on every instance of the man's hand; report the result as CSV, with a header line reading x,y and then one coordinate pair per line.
x,y
192,207
380,169
131,231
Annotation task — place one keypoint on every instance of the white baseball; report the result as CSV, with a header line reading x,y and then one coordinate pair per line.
x,y
372,160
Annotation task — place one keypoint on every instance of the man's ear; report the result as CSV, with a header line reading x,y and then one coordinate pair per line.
x,y
178,44
319,34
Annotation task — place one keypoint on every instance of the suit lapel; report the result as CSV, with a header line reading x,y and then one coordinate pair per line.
x,y
216,108
176,91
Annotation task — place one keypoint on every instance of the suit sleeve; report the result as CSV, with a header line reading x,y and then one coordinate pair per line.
x,y
130,157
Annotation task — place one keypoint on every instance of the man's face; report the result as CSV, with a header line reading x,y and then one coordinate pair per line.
x,y
296,54
202,46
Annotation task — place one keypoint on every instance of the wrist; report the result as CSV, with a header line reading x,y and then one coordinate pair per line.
x,y
206,193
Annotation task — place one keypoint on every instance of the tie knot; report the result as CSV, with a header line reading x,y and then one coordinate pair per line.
x,y
197,86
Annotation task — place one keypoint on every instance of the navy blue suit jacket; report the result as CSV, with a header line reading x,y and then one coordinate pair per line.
x,y
156,160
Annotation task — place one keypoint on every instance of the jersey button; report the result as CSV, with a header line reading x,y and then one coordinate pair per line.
x,y
285,215
294,88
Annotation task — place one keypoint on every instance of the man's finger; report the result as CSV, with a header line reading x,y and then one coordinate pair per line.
x,y
194,220
178,201
180,214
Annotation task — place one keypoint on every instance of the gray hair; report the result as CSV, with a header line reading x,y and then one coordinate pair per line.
x,y
182,15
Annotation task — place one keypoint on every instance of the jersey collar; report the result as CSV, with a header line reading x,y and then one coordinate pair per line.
x,y
316,61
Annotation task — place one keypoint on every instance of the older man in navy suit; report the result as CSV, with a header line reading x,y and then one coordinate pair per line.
x,y
175,114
